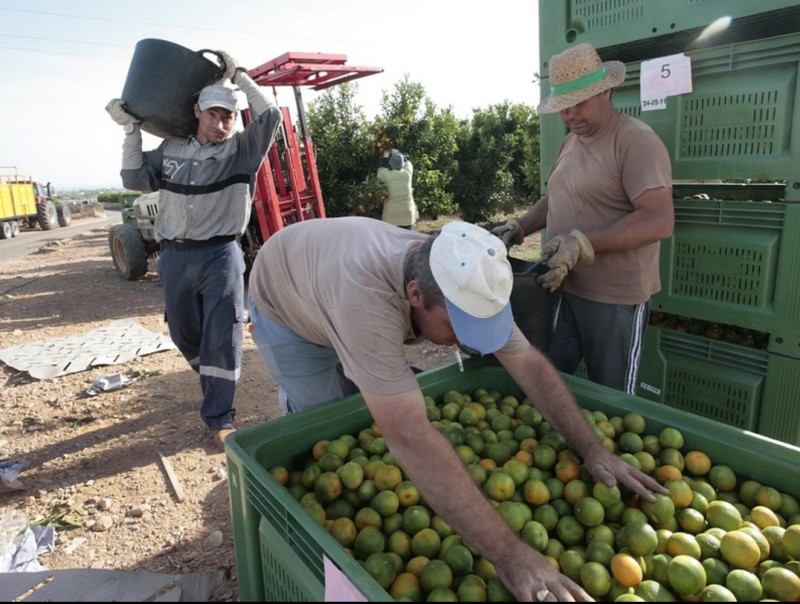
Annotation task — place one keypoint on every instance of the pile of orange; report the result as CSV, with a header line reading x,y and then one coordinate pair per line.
x,y
715,537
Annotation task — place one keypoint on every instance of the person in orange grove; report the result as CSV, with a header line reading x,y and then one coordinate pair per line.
x,y
607,208
205,185
397,172
325,332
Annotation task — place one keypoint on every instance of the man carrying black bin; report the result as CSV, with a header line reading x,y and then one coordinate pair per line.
x,y
206,183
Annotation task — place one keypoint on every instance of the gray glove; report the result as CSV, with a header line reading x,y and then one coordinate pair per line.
x,y
510,233
116,109
229,65
564,252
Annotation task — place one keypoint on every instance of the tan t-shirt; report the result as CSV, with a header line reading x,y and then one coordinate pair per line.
x,y
591,186
339,283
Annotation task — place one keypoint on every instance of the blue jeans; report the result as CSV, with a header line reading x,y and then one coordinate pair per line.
x,y
308,374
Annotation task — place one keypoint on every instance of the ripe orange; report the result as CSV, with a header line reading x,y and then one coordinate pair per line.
x,y
667,472
344,531
567,469
697,463
740,550
535,492
319,448
626,569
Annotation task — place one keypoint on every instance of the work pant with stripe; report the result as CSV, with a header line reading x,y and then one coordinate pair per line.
x,y
608,337
204,305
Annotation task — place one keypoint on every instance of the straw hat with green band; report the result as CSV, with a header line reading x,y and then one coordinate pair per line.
x,y
578,74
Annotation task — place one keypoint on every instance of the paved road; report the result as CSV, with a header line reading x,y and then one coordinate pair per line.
x,y
28,241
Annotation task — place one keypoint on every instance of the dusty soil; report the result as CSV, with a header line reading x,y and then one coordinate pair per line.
x,y
95,472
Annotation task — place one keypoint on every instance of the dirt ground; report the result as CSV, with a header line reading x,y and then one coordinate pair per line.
x,y
95,472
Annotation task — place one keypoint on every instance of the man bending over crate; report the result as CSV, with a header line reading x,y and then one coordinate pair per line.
x,y
332,304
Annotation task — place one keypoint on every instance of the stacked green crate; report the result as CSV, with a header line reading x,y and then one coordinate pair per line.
x,y
732,259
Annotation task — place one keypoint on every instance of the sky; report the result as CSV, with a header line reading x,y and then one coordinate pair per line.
x,y
61,61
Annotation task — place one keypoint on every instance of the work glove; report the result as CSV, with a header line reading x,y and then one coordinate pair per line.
x,y
562,253
116,109
510,233
229,65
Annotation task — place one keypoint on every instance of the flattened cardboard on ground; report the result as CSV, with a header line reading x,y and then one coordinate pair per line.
x,y
90,585
117,342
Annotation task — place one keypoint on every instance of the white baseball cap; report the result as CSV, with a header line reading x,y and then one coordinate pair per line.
x,y
471,267
218,95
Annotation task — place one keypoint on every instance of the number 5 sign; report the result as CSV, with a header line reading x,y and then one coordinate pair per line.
x,y
663,77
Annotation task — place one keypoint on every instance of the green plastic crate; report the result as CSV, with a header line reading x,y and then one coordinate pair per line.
x,y
750,389
640,29
280,548
735,263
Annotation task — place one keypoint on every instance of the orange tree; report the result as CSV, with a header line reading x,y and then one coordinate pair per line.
x,y
477,167
498,161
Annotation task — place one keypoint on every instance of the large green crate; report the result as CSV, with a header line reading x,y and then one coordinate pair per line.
x,y
735,262
738,386
641,29
280,548
741,120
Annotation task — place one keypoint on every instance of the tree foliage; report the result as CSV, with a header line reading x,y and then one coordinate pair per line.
x,y
477,167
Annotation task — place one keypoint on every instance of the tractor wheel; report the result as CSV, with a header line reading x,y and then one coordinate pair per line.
x,y
47,215
128,250
5,230
64,215
15,228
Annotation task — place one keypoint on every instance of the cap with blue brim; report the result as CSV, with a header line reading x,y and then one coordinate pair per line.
x,y
471,267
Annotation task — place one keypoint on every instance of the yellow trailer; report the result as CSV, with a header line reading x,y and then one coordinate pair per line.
x,y
25,202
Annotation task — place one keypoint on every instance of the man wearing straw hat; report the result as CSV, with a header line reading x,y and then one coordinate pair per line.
x,y
608,205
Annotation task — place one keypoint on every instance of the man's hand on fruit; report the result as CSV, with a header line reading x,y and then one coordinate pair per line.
x,y
614,471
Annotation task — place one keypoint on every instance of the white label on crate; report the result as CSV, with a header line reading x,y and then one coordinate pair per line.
x,y
338,587
663,77
650,388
